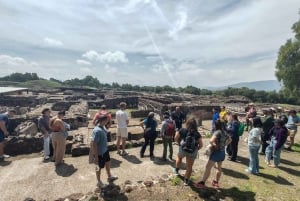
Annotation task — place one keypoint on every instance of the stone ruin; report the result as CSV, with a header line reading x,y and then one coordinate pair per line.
x,y
25,137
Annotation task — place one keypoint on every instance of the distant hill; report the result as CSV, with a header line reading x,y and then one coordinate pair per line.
x,y
266,85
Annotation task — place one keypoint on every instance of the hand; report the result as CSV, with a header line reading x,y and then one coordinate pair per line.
x,y
6,133
46,135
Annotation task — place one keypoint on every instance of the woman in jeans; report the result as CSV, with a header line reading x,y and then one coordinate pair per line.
x,y
278,135
181,136
254,142
218,141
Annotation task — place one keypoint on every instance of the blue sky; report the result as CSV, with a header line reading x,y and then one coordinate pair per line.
x,y
146,42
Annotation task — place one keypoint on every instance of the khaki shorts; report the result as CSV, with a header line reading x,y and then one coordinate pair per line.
x,y
122,132
292,133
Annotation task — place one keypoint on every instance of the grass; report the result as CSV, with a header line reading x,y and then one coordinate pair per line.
x,y
175,181
296,147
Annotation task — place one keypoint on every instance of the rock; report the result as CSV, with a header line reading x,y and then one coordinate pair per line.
x,y
148,183
80,150
128,182
128,188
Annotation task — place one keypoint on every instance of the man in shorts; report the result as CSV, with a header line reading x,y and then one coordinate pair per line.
x,y
293,122
122,133
3,131
100,151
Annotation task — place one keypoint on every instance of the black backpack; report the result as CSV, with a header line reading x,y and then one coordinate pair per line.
x,y
189,144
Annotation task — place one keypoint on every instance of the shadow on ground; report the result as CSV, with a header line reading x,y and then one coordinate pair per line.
x,y
5,163
65,170
132,159
234,173
290,163
114,163
277,180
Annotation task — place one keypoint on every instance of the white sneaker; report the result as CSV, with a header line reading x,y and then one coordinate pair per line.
x,y
46,158
112,178
100,184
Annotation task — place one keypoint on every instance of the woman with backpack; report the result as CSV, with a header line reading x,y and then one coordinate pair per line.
x,y
149,125
254,142
218,141
190,142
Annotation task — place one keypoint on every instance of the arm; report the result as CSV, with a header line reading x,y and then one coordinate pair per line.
x,y
95,151
3,128
177,136
95,119
200,143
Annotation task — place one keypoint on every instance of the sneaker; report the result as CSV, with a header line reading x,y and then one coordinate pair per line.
x,y
200,185
46,158
112,178
215,184
100,184
171,158
176,171
119,152
152,157
124,153
186,182
6,156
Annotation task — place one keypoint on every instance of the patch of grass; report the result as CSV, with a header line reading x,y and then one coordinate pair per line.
x,y
175,181
296,147
39,84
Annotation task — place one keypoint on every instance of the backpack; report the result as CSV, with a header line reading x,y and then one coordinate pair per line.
x,y
170,130
241,129
189,143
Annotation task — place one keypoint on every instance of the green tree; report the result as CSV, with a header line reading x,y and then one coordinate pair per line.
x,y
288,64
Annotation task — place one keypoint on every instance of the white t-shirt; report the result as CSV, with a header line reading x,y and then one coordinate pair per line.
x,y
122,118
254,138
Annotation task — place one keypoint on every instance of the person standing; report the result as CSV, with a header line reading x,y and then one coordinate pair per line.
x,y
167,131
190,142
267,124
43,125
149,125
178,117
4,120
103,111
278,135
58,128
216,116
122,133
218,141
232,129
223,115
100,150
254,142
293,122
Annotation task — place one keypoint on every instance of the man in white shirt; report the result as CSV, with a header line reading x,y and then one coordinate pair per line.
x,y
122,123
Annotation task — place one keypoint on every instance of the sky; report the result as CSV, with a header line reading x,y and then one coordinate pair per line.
x,y
146,42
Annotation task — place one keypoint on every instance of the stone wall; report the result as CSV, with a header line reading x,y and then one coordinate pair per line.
x,y
113,103
22,101
63,105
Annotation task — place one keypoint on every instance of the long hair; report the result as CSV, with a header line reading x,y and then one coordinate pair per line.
x,y
191,124
219,125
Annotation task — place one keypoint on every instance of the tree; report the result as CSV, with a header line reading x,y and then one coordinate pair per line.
x,y
288,64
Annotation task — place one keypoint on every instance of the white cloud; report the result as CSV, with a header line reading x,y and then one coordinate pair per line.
x,y
85,70
16,61
107,57
83,62
52,42
91,55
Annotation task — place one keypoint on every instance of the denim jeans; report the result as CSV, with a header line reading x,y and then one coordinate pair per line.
x,y
46,145
254,161
271,151
167,142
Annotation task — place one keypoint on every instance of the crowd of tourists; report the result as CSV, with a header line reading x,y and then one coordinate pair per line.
x,y
267,136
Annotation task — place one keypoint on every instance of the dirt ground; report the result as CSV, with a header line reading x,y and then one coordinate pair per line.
x,y
28,176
